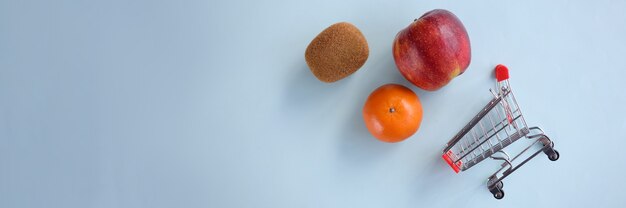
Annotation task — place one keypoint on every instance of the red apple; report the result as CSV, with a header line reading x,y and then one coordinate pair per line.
x,y
432,50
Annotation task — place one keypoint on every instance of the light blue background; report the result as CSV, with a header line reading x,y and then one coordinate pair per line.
x,y
210,104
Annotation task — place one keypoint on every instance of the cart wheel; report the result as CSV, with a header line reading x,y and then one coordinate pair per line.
x,y
499,194
554,156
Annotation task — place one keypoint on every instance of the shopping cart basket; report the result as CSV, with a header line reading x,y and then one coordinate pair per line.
x,y
496,126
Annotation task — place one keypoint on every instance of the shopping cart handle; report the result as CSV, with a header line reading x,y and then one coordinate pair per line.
x,y
502,73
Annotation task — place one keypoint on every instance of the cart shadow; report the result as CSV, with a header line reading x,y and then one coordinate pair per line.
x,y
434,179
440,178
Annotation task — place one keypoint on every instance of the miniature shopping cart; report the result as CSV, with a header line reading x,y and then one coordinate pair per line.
x,y
496,126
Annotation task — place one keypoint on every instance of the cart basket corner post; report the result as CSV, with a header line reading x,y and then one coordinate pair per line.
x,y
499,124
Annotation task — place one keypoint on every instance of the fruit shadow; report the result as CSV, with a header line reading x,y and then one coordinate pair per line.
x,y
304,92
357,147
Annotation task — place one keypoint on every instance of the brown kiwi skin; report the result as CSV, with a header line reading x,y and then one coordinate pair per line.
x,y
337,52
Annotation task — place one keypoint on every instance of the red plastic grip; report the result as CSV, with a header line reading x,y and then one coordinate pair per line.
x,y
448,160
502,73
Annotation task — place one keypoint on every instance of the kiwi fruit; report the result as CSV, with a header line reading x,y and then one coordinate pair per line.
x,y
337,52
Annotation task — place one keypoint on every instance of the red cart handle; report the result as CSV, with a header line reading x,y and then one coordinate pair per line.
x,y
502,73
455,167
